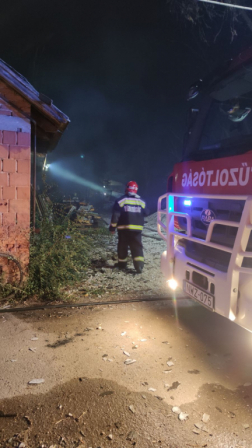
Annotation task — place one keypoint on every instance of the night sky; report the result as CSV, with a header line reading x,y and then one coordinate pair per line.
x,y
121,71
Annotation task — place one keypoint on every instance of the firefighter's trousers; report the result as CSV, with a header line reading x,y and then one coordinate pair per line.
x,y
130,239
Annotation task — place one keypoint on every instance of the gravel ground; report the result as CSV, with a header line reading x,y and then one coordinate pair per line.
x,y
105,278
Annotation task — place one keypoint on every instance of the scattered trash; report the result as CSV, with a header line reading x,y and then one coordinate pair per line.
x,y
198,425
170,363
135,347
167,371
195,371
37,381
165,342
132,409
32,349
196,431
110,436
183,416
245,426
110,360
144,397
176,410
34,339
22,445
158,397
126,353
129,361
205,418
104,356
123,334
151,389
174,385
13,360
143,340
98,328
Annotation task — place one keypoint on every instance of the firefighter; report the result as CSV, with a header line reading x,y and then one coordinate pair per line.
x,y
128,217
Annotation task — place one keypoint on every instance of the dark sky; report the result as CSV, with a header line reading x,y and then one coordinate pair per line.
x,y
120,70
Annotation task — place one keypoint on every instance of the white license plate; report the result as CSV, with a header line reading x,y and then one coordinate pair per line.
x,y
198,294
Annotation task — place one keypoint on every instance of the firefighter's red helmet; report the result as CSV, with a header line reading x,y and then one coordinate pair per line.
x,y
131,187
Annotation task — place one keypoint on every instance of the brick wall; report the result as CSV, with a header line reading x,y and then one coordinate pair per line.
x,y
15,181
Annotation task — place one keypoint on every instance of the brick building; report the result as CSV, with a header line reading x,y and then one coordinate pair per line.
x,y
30,125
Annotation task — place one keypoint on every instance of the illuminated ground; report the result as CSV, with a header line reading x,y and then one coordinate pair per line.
x,y
211,374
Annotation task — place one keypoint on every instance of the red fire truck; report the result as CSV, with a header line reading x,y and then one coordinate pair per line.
x,y
206,215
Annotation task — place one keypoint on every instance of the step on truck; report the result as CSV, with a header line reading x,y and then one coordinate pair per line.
x,y
206,215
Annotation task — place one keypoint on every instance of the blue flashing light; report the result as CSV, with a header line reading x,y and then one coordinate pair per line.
x,y
187,202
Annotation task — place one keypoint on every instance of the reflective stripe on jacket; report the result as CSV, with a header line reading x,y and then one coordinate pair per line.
x,y
128,213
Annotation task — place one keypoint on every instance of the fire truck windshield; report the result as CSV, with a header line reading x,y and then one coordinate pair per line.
x,y
227,123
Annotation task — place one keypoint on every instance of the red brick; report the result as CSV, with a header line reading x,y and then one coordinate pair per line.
x,y
4,233
23,138
3,179
23,193
3,206
20,206
4,151
9,192
24,166
10,137
19,180
9,219
9,165
20,152
23,219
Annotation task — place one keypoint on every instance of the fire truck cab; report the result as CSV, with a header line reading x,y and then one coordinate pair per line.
x,y
206,215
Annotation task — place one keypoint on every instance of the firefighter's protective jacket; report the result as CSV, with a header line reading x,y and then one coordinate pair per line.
x,y
128,213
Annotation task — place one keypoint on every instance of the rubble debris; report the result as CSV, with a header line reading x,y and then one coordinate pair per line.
x,y
123,333
205,418
2,414
174,385
37,381
132,435
34,339
183,416
176,410
151,389
194,371
170,363
129,361
107,392
126,353
132,409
